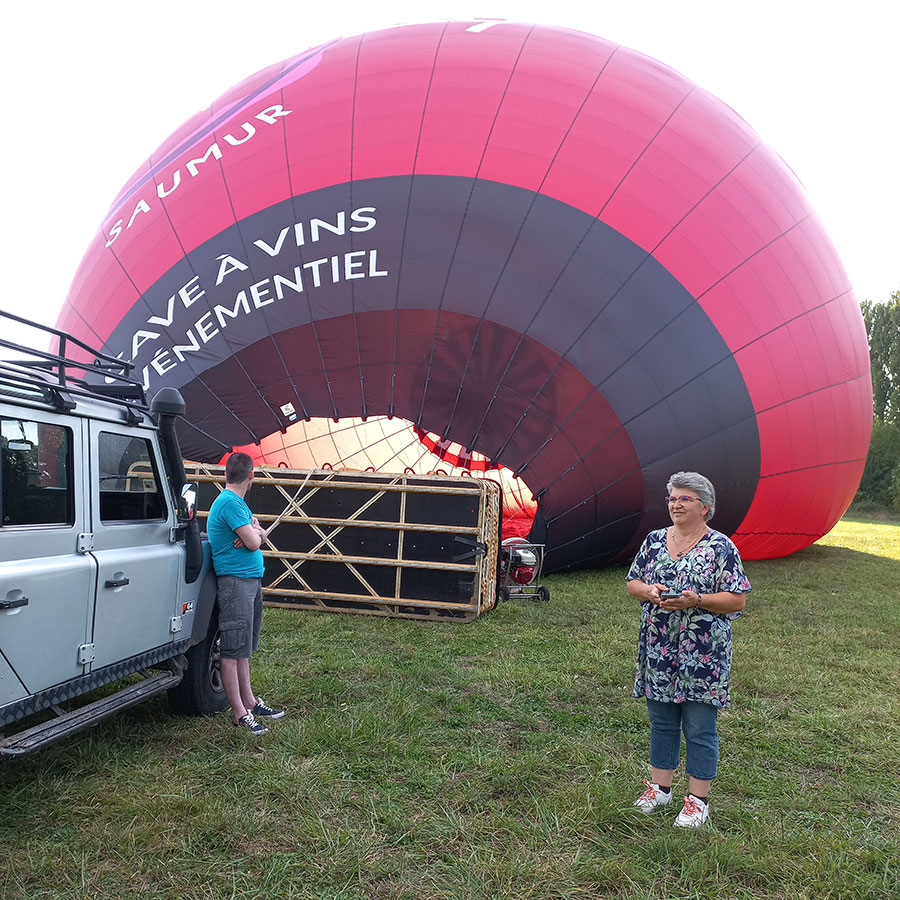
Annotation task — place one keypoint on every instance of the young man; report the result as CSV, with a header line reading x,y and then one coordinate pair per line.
x,y
235,538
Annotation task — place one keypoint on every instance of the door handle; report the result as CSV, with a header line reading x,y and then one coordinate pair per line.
x,y
118,582
12,604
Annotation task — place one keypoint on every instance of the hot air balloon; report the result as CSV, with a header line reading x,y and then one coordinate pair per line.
x,y
513,250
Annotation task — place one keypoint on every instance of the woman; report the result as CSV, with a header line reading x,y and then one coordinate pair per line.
x,y
691,585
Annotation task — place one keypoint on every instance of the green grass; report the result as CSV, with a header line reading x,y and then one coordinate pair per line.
x,y
497,760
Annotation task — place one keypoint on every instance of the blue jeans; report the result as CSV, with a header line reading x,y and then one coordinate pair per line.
x,y
701,741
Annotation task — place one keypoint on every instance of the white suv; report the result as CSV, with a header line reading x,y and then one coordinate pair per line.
x,y
103,573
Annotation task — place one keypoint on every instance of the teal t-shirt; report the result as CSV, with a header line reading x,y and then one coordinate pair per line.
x,y
226,515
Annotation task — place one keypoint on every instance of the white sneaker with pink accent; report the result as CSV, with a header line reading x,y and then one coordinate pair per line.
x,y
652,798
693,814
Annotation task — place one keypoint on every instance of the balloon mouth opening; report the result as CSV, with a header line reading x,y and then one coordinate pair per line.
x,y
392,445
455,454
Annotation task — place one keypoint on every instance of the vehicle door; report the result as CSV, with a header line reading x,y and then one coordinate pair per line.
x,y
46,584
131,521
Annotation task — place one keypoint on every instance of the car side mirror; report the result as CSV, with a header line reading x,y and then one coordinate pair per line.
x,y
189,500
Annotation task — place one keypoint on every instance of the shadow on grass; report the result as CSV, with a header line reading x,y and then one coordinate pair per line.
x,y
823,553
859,554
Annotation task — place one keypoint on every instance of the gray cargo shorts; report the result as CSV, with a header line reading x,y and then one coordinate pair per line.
x,y
240,615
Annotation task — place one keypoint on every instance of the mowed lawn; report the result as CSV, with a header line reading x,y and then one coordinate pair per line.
x,y
497,759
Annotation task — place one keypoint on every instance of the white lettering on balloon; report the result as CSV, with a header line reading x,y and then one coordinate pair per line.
x,y
194,167
173,333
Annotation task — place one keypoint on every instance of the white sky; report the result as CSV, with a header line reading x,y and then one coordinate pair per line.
x,y
92,88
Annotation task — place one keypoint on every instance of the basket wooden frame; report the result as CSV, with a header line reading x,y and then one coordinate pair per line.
x,y
288,584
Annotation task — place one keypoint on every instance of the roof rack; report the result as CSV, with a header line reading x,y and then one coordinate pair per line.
x,y
59,378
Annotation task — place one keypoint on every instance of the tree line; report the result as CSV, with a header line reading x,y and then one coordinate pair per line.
x,y
880,483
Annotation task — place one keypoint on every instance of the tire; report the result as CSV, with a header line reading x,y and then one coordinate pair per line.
x,y
201,692
503,594
543,593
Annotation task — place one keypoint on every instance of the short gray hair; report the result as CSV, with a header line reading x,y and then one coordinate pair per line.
x,y
698,483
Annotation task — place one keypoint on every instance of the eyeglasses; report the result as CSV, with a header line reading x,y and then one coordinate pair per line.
x,y
671,500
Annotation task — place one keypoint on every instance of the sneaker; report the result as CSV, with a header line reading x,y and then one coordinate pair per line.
x,y
250,723
694,813
262,710
652,798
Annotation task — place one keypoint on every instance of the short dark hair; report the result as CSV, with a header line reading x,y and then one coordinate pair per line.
x,y
238,467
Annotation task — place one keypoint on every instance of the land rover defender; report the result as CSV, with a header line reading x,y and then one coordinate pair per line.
x,y
105,578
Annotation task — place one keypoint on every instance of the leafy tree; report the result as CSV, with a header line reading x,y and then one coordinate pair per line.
x,y
882,465
881,478
883,329
895,486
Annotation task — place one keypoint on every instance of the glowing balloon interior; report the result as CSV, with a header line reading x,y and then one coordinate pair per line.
x,y
507,249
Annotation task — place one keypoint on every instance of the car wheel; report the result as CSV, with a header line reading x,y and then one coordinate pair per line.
x,y
201,691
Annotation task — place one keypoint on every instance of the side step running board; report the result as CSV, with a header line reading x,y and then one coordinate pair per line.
x,y
78,719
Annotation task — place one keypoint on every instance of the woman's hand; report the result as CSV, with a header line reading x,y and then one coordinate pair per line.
x,y
646,593
687,600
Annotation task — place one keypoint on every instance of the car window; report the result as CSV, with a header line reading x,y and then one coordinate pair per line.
x,y
35,473
129,481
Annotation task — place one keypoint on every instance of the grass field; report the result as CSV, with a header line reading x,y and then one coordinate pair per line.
x,y
497,760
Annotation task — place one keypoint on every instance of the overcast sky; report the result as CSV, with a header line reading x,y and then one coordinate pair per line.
x,y
92,88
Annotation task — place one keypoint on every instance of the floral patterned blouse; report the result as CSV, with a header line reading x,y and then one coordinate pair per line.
x,y
686,654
